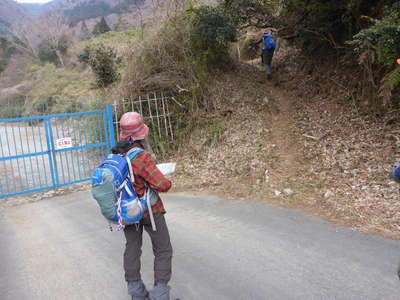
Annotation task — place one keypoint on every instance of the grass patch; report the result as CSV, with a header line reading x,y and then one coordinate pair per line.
x,y
120,41
61,90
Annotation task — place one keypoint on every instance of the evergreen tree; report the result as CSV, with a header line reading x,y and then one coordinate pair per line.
x,y
101,27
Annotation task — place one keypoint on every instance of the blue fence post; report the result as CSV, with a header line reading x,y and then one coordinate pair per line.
x,y
50,151
111,131
106,130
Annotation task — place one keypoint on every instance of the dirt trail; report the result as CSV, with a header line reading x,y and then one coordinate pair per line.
x,y
282,134
281,109
258,151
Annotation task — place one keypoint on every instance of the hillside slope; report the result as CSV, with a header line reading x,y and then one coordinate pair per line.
x,y
10,13
80,10
33,9
267,143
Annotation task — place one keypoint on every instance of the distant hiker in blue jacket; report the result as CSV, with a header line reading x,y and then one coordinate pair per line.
x,y
268,49
395,175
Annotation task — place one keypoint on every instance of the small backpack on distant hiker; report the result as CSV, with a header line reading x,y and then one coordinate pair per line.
x,y
269,43
112,188
395,174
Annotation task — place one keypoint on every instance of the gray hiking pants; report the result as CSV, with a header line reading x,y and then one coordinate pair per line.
x,y
162,250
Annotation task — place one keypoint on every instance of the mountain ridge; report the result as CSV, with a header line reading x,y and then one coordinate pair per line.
x,y
75,11
33,9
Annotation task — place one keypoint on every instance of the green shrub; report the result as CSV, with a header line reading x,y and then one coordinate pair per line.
x,y
383,37
182,54
378,47
212,29
104,63
321,26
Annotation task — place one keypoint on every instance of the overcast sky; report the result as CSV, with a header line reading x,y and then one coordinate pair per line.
x,y
33,1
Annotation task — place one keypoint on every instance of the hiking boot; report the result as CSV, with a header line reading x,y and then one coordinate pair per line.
x,y
138,290
160,292
398,272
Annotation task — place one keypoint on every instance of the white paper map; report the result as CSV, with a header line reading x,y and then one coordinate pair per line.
x,y
167,168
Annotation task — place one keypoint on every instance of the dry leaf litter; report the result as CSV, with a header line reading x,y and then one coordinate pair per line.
x,y
266,143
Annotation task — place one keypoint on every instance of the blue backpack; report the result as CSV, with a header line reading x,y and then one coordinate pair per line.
x,y
269,43
395,174
113,190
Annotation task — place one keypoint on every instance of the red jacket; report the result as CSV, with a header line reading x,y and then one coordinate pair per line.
x,y
146,171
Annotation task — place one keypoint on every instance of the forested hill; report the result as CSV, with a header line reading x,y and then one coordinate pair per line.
x,y
75,11
80,10
10,13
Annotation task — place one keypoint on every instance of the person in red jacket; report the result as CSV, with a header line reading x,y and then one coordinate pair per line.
x,y
146,175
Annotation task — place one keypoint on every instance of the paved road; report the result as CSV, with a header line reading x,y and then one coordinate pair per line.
x,y
61,249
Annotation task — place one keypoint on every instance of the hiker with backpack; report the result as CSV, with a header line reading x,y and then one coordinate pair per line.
x,y
146,175
267,52
395,175
126,187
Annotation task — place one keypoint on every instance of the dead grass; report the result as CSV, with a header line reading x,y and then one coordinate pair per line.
x,y
161,61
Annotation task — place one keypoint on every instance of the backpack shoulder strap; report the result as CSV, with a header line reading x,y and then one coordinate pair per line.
x,y
131,154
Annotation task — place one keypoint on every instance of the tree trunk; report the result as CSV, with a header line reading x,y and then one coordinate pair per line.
x,y
60,58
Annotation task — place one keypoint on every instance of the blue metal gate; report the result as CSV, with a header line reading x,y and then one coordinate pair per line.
x,y
43,152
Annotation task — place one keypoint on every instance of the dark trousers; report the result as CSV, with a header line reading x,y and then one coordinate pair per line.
x,y
266,58
162,249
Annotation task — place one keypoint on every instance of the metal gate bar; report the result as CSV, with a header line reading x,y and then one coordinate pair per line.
x,y
154,108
